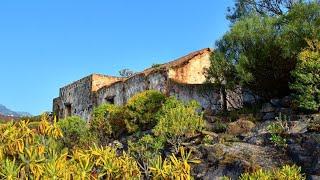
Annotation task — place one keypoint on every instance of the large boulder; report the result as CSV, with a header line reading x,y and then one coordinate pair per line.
x,y
233,159
267,107
304,150
269,116
242,126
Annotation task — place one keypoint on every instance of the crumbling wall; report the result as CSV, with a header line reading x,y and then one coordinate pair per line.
x,y
78,97
134,85
120,92
99,81
158,81
57,108
114,91
192,71
207,97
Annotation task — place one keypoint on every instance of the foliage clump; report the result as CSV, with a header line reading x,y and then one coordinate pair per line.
x,y
76,132
285,173
143,106
109,121
31,150
307,78
173,167
177,118
261,50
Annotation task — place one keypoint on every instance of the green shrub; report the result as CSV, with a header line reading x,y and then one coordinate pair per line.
x,y
289,173
278,140
307,78
219,127
145,150
76,132
285,173
276,128
147,147
143,106
108,121
177,120
208,140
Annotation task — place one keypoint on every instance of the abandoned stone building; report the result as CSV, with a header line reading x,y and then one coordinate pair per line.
x,y
183,78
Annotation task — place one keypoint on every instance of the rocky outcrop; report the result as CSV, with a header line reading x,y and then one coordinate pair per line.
x,y
271,109
232,159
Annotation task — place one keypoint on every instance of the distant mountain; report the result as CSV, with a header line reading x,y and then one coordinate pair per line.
x,y
4,111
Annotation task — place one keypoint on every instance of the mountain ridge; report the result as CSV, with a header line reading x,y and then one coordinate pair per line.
x,y
4,111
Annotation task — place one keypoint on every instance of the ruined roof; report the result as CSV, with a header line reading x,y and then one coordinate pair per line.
x,y
178,62
162,67
91,79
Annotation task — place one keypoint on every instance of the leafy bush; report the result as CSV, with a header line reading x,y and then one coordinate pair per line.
x,y
178,119
219,127
108,121
263,49
76,132
278,140
277,130
173,167
27,152
307,78
147,147
143,106
285,173
145,150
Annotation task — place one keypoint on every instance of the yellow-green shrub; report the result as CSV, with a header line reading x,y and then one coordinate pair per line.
x,y
176,120
76,132
143,107
285,173
108,121
173,167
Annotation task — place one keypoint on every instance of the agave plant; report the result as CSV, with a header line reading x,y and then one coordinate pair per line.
x,y
57,167
82,161
9,170
32,161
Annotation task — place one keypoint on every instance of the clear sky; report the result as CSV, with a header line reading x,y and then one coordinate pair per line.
x,y
47,44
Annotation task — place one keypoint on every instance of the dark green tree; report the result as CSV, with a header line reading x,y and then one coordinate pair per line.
x,y
244,8
222,75
306,85
264,49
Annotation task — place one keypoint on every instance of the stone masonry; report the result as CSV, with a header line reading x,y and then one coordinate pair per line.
x,y
183,78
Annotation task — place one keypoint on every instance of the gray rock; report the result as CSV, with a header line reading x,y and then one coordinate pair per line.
x,y
313,177
275,102
305,152
231,159
269,116
260,139
267,107
295,127
286,101
285,111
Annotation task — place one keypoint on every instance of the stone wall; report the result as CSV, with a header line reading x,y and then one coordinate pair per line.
x,y
77,98
99,81
158,81
57,107
191,71
207,97
183,78
120,92
113,91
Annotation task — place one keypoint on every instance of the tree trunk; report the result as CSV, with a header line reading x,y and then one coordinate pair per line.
x,y
224,99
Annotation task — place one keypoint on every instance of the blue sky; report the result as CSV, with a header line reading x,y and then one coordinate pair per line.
x,y
45,44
